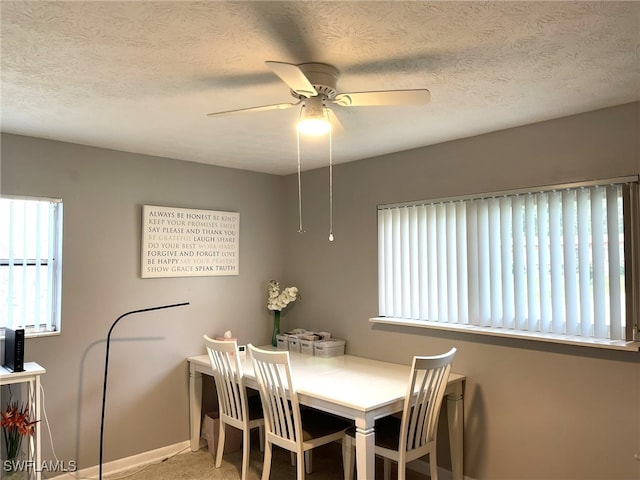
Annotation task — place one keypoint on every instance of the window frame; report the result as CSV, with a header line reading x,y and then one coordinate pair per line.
x,y
631,215
55,245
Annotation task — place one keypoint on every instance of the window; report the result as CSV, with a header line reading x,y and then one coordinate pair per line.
x,y
30,264
558,262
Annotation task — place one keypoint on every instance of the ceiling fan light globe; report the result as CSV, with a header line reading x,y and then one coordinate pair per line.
x,y
314,126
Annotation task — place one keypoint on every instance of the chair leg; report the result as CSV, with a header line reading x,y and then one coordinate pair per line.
x,y
300,466
220,443
348,457
402,471
261,434
266,467
433,464
387,469
308,461
308,456
246,452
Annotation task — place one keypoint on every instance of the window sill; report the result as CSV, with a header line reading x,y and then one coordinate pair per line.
x,y
41,334
34,334
505,333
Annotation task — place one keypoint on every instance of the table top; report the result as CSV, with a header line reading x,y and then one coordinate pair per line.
x,y
358,383
30,370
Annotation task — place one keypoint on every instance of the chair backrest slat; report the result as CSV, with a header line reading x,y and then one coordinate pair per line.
x,y
427,383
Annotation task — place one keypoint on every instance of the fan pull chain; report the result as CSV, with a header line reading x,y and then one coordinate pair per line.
x,y
330,186
300,228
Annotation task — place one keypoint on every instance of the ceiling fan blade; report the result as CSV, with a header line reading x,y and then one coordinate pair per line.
x,y
286,27
293,77
276,106
387,97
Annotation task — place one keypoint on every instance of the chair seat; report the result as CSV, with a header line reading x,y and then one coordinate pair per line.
x,y
319,424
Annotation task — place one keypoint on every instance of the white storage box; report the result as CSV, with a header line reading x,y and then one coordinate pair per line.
x,y
307,346
329,348
282,341
294,343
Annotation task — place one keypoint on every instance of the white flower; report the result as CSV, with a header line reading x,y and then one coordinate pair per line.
x,y
278,300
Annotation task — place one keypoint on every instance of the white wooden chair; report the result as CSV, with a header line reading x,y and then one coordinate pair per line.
x,y
236,408
286,424
413,435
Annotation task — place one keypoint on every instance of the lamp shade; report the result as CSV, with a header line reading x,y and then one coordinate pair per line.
x,y
313,118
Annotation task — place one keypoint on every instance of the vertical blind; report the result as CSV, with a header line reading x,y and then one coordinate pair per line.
x,y
548,261
30,273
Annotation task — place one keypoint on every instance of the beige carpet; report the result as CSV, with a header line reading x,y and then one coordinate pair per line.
x,y
327,465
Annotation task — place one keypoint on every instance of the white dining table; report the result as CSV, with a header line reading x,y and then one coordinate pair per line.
x,y
358,388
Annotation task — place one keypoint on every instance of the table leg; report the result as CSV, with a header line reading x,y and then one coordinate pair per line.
x,y
365,449
195,406
36,400
456,441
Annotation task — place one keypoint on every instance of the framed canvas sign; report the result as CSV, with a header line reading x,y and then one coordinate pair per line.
x,y
182,242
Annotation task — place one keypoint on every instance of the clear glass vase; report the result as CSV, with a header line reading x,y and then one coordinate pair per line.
x,y
15,468
276,328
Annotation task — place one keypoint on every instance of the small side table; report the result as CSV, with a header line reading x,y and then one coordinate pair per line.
x,y
31,377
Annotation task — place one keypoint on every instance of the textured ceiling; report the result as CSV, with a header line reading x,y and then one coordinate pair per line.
x,y
141,76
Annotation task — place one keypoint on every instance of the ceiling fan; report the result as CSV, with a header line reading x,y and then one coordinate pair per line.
x,y
314,85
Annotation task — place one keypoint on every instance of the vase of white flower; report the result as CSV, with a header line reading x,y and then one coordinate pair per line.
x,y
277,301
276,328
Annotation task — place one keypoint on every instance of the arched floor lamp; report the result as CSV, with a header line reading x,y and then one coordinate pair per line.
x,y
106,367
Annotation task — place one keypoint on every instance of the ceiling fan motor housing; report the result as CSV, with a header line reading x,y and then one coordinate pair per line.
x,y
323,77
314,107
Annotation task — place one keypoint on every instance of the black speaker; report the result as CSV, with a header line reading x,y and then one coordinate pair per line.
x,y
14,349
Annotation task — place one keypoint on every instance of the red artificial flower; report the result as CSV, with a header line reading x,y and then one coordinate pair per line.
x,y
16,424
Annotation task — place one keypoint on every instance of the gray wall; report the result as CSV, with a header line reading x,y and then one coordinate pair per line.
x,y
103,193
532,410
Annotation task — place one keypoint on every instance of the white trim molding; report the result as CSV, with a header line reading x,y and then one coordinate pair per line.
x,y
129,463
508,333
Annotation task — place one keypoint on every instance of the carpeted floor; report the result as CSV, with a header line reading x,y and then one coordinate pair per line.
x,y
200,465
327,465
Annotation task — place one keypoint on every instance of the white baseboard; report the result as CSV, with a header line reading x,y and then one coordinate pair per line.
x,y
129,463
